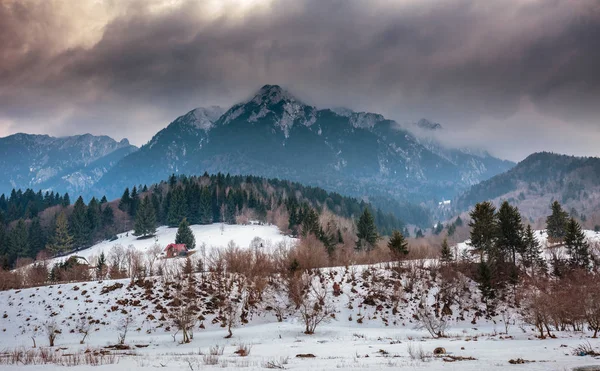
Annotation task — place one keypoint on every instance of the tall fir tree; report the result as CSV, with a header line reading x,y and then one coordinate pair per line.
x,y
483,226
61,241
37,237
145,219
66,200
398,245
510,232
185,235
125,201
79,224
134,203
19,240
366,231
556,223
177,207
205,213
446,253
108,216
94,215
576,245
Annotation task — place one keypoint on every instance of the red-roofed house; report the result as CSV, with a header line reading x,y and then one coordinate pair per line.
x,y
175,249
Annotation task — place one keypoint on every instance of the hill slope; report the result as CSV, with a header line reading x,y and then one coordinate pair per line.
x,y
539,179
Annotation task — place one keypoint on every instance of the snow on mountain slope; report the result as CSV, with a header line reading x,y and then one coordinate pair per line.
x,y
211,235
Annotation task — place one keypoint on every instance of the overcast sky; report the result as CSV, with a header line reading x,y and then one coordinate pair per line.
x,y
513,76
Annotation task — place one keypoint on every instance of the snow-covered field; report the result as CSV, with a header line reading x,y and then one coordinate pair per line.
x,y
365,333
212,236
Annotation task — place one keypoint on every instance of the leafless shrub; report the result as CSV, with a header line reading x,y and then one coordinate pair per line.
x,y
315,307
52,331
185,320
436,326
123,328
210,359
216,350
585,349
416,353
83,327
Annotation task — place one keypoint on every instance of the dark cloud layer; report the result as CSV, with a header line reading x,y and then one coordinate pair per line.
x,y
515,75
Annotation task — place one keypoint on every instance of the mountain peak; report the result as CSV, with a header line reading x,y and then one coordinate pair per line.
x,y
272,94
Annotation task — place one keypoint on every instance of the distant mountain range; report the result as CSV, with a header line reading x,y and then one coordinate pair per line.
x,y
70,164
276,135
534,183
273,134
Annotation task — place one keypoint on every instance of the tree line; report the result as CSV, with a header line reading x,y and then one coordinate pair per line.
x,y
33,223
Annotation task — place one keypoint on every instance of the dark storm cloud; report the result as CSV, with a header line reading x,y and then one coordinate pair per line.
x,y
484,69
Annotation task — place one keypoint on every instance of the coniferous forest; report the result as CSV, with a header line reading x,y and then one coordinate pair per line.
x,y
33,223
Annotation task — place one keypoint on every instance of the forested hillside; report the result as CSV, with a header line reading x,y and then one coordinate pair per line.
x,y
36,223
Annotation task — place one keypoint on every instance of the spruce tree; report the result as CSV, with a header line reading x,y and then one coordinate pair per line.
x,y
61,241
510,232
37,237
398,245
103,200
145,219
185,235
576,245
366,231
134,203
125,201
101,267
66,200
108,216
94,215
19,240
483,228
177,207
556,223
446,256
205,212
79,224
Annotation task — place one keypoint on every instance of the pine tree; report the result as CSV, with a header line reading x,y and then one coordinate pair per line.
x,y
310,222
79,224
94,215
125,201
510,232
66,200
185,235
37,237
108,216
145,219
103,200
62,241
398,245
205,213
19,240
366,231
134,203
483,228
576,245
101,267
446,256
485,281
177,207
556,223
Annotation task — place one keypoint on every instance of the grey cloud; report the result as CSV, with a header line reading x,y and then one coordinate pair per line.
x,y
467,64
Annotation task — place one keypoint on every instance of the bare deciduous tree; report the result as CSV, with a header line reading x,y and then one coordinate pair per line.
x,y
52,331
